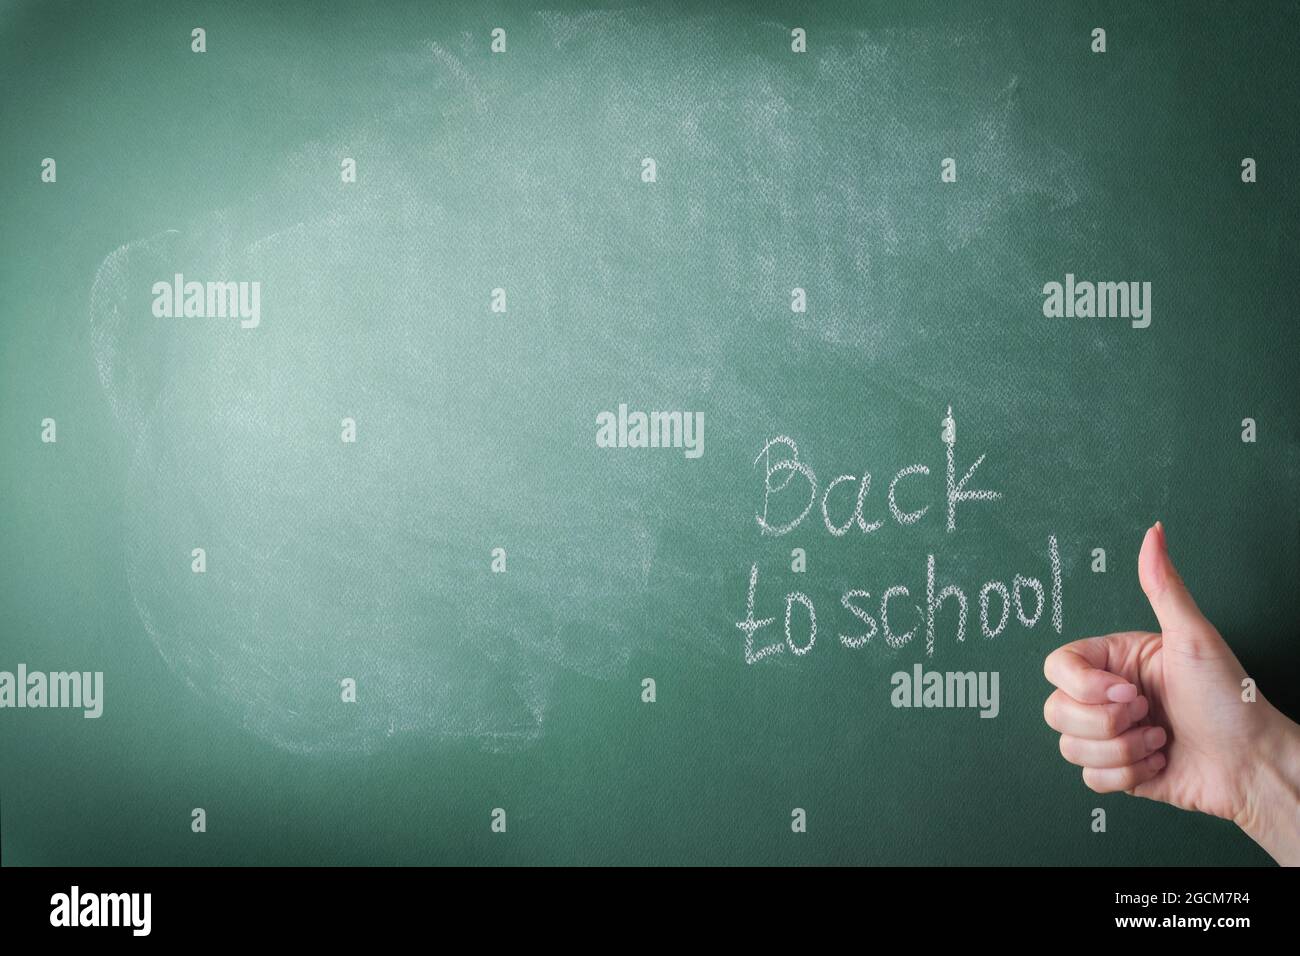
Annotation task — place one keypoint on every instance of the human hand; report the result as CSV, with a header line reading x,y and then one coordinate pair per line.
x,y
1162,716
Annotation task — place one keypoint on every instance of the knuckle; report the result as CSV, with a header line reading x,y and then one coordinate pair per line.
x,y
1135,747
1049,710
1112,720
1192,643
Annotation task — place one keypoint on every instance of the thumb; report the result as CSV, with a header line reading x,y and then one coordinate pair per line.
x,y
1181,621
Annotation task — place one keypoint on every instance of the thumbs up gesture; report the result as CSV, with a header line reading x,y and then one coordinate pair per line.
x,y
1162,716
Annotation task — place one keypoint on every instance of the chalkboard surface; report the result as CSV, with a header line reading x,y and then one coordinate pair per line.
x,y
347,322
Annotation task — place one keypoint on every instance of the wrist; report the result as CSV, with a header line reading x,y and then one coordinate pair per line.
x,y
1270,809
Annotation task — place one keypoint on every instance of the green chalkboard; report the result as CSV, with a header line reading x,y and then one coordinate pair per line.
x,y
343,320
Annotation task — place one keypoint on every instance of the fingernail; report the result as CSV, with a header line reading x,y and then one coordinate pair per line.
x,y
1157,761
1154,738
1138,709
1122,693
